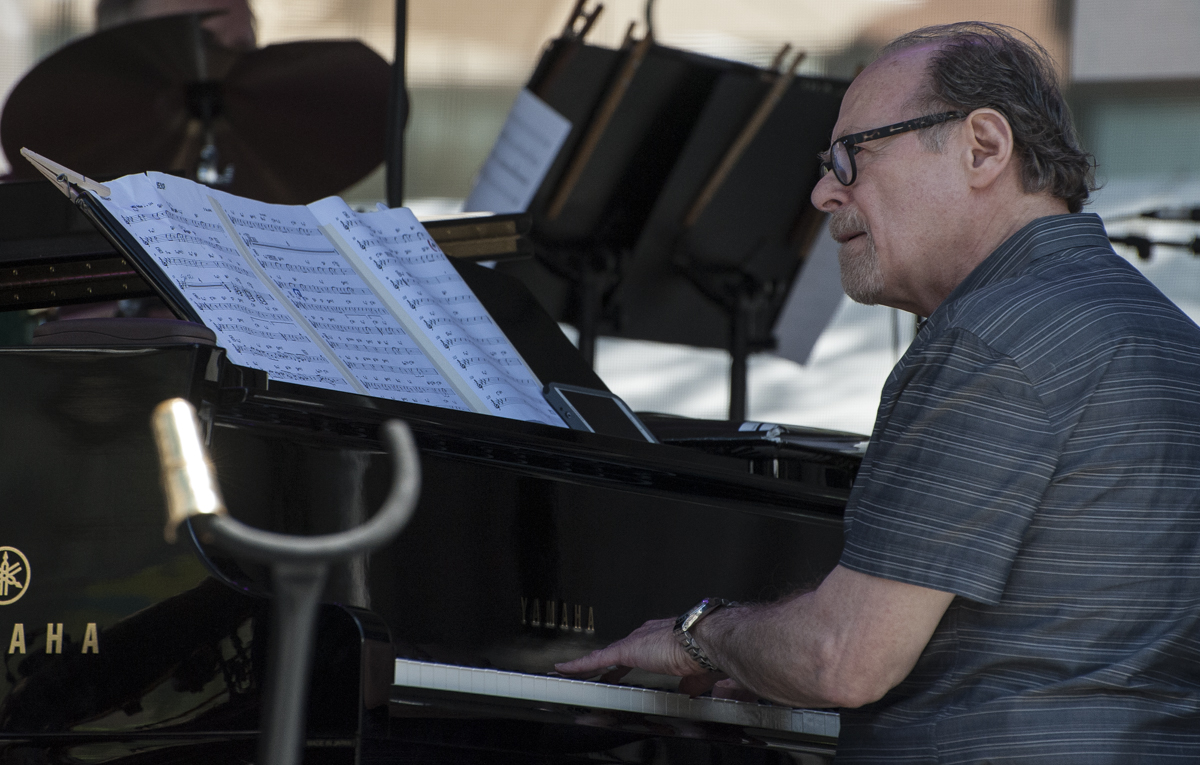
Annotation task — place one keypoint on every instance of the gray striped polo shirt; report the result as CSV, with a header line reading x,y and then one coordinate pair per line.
x,y
1037,453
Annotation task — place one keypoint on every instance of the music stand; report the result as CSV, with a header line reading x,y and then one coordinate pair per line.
x,y
632,111
733,224
678,209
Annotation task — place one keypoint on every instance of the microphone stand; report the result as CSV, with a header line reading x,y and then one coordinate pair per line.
x,y
299,565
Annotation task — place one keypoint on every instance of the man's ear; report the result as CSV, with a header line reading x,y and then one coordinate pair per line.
x,y
989,146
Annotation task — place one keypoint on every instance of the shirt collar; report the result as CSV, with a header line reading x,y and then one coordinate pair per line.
x,y
1039,238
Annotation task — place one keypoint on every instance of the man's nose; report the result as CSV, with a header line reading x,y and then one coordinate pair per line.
x,y
829,194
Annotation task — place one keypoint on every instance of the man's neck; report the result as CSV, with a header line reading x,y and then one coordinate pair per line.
x,y
992,227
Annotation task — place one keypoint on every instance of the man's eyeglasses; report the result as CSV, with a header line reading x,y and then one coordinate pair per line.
x,y
840,157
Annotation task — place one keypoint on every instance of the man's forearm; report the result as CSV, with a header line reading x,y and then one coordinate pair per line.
x,y
844,644
770,650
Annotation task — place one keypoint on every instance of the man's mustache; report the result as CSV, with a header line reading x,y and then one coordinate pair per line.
x,y
845,224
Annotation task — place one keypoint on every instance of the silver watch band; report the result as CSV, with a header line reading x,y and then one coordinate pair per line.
x,y
694,650
688,620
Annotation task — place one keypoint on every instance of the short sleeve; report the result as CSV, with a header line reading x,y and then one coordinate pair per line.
x,y
958,463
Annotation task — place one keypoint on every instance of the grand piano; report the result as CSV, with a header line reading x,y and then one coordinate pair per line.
x,y
530,544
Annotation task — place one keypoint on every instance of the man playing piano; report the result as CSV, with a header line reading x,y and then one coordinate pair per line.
x,y
1021,573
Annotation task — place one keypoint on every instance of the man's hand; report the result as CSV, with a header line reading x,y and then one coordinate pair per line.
x,y
652,647
842,645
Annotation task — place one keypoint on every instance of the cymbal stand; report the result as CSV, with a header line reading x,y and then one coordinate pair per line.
x,y
205,103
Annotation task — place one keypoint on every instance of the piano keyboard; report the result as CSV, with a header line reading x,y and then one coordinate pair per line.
x,y
622,698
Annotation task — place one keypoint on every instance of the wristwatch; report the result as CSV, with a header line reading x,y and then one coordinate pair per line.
x,y
688,619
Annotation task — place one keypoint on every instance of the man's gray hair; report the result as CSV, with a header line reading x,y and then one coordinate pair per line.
x,y
111,13
980,65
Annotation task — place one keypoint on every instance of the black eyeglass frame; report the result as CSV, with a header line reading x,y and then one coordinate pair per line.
x,y
850,142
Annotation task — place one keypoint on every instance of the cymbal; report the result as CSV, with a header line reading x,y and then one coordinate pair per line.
x,y
296,121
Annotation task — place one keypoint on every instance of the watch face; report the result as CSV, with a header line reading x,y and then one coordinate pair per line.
x,y
691,617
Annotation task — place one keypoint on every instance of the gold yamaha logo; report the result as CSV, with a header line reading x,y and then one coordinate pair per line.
x,y
14,575
532,616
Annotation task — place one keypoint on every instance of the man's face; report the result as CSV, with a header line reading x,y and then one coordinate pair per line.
x,y
893,221
233,27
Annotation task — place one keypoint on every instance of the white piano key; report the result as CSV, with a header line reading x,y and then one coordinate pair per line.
x,y
674,706
582,693
497,684
577,694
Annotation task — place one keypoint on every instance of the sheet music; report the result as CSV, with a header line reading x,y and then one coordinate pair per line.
x,y
521,157
286,242
177,226
383,312
418,281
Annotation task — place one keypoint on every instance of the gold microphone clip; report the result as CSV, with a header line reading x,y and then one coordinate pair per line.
x,y
188,477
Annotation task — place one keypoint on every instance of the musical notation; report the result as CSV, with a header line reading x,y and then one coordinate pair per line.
x,y
330,295
415,303
251,324
273,227
450,342
436,321
376,366
415,260
422,282
436,279
523,153
354,314
326,289
183,237
396,387
322,295
231,305
312,270
350,329
173,262
466,362
394,350
233,327
304,377
195,221
502,402
252,242
140,218
169,213
305,359
497,356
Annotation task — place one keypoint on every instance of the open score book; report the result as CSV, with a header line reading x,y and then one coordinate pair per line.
x,y
325,296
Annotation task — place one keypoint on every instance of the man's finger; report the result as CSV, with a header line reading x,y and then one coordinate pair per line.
x,y
731,689
694,685
652,647
591,665
614,674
